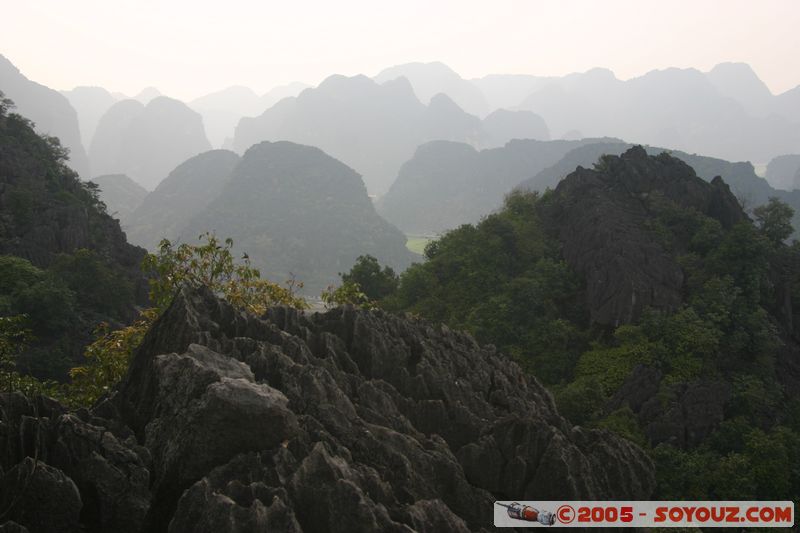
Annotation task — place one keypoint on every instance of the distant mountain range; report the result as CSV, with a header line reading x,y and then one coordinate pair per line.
x,y
430,79
293,209
682,108
375,125
146,142
447,184
297,212
222,110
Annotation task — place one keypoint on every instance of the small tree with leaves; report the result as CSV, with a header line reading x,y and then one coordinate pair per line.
x,y
348,293
775,220
209,264
5,104
375,282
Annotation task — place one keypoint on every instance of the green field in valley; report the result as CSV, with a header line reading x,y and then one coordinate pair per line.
x,y
416,243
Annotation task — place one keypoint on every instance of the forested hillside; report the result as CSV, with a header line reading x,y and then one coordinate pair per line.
x,y
64,263
651,304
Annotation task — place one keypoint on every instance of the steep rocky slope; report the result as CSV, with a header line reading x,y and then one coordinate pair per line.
x,y
344,421
600,218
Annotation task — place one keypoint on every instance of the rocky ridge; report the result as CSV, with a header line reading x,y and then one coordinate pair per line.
x,y
599,218
349,420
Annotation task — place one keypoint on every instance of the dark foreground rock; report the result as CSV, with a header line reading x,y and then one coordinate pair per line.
x,y
344,421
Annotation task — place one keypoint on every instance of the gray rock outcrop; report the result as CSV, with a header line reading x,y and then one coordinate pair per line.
x,y
599,217
350,420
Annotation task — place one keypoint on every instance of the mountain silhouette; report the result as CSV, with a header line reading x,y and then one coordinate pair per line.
x,y
146,142
781,171
750,189
724,114
297,211
50,111
447,184
430,79
184,193
222,110
91,103
373,128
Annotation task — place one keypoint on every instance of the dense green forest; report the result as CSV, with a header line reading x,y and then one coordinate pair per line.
x,y
65,266
709,388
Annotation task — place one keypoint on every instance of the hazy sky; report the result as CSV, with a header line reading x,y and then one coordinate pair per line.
x,y
188,48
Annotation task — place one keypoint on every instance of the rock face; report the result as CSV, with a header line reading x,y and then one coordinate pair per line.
x,y
64,471
183,194
447,184
599,217
146,142
48,109
344,421
121,195
297,211
684,419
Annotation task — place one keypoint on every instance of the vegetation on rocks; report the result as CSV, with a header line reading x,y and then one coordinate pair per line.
x,y
708,384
